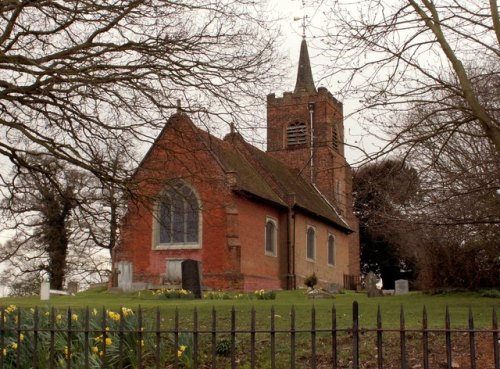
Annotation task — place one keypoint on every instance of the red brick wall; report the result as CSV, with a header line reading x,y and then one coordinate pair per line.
x,y
330,165
179,154
326,273
261,270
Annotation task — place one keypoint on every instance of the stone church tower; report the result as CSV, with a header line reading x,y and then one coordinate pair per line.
x,y
305,131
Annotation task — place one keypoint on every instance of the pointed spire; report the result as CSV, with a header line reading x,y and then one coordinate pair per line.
x,y
305,81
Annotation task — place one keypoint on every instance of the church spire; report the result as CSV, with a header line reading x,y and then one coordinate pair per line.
x,y
305,81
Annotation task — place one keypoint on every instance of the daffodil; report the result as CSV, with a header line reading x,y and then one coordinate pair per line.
x,y
181,350
67,352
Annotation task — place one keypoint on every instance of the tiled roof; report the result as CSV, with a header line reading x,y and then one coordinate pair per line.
x,y
260,175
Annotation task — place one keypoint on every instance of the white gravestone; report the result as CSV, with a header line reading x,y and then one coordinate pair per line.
x,y
401,287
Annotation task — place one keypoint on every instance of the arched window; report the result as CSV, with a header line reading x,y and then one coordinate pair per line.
x,y
331,250
311,243
296,134
271,237
177,218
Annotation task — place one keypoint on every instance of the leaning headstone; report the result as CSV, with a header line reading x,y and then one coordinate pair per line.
x,y
72,288
371,285
191,277
45,291
401,287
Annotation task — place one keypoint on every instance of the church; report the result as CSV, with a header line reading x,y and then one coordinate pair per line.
x,y
253,219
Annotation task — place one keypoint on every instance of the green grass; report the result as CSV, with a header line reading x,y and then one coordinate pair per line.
x,y
458,304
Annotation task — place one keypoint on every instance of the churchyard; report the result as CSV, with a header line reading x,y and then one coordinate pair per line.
x,y
286,329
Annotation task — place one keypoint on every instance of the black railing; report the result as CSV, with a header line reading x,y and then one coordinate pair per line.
x,y
126,339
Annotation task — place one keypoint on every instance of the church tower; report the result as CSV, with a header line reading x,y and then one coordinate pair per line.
x,y
305,131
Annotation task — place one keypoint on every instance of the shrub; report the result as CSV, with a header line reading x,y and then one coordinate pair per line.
x,y
311,280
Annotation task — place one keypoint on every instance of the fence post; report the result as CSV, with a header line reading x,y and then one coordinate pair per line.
x,y
233,338
273,339
380,351
495,338
252,338
355,335
334,337
292,338
313,337
448,338
472,342
425,338
402,335
195,338
214,338
2,335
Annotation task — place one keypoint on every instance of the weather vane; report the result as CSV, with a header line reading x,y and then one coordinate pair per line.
x,y
304,19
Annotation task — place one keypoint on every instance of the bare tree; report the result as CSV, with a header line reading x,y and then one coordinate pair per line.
x,y
75,74
62,218
400,55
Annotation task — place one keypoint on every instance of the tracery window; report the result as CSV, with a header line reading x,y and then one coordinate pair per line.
x,y
178,218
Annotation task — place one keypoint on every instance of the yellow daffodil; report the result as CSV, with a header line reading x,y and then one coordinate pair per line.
x,y
67,352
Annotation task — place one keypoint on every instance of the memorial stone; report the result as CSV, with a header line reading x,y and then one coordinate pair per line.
x,y
72,288
401,287
371,285
191,277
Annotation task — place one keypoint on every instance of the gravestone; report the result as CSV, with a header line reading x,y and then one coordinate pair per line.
x,y
125,275
371,285
72,287
45,290
191,277
401,287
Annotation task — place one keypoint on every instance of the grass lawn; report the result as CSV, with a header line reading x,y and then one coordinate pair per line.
x,y
458,304
413,303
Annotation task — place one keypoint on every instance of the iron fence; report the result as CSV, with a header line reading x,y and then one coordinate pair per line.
x,y
127,339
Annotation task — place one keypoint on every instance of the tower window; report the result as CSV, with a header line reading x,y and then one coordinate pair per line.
x,y
296,134
335,137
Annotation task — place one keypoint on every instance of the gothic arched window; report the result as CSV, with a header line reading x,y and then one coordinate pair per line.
x,y
331,250
271,237
177,218
296,134
311,243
